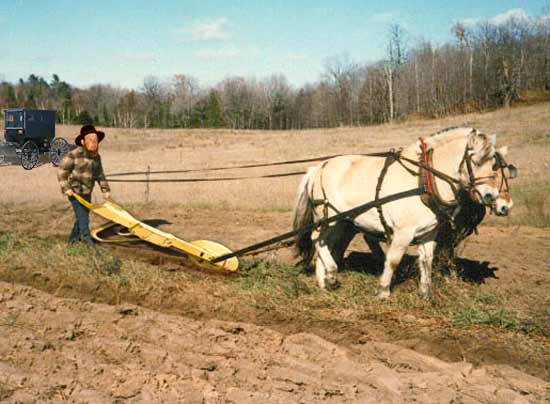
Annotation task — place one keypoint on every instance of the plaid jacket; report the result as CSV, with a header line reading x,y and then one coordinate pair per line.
x,y
79,170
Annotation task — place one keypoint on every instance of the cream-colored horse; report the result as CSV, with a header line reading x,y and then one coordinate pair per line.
x,y
346,182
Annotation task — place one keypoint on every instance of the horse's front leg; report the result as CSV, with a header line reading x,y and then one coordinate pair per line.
x,y
325,265
400,242
375,249
425,261
331,244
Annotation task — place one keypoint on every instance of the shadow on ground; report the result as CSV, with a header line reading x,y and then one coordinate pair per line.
x,y
468,270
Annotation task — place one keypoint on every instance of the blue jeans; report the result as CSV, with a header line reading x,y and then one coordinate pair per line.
x,y
81,230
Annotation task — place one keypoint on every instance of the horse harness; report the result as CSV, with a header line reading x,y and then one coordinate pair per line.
x,y
444,210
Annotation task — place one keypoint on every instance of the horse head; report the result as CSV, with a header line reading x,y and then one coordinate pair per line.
x,y
503,173
485,173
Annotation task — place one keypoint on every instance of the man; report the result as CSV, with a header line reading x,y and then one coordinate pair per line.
x,y
77,172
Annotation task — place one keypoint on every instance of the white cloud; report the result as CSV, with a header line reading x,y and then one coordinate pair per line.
x,y
517,14
216,30
213,54
469,21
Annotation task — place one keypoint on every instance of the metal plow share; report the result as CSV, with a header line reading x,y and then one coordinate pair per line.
x,y
200,252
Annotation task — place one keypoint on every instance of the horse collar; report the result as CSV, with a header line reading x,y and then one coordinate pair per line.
x,y
426,161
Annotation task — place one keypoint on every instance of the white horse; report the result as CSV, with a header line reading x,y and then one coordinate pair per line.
x,y
464,156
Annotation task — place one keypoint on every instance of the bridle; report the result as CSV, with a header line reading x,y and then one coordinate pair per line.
x,y
499,164
473,181
432,197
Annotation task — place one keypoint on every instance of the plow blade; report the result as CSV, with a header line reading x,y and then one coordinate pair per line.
x,y
201,252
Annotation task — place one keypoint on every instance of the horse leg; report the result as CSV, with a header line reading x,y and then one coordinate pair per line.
x,y
374,246
396,250
425,261
324,261
341,239
325,266
330,245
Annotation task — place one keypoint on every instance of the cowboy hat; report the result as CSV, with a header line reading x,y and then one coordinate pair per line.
x,y
87,129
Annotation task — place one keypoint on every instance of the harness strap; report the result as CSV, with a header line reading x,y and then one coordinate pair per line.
x,y
390,159
325,199
325,202
308,228
472,187
444,210
435,172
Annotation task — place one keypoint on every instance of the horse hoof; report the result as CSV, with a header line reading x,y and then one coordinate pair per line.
x,y
427,295
333,285
384,295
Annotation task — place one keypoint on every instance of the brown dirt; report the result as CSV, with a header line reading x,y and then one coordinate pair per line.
x,y
63,349
492,261
308,347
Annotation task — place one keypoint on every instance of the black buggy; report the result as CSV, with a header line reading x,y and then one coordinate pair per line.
x,y
30,134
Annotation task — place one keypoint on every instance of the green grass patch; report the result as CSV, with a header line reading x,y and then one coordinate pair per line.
x,y
491,310
500,318
6,242
261,276
282,291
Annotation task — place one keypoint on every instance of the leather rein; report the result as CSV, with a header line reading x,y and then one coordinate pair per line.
x,y
427,174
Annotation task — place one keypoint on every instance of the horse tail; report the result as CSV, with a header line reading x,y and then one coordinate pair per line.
x,y
303,216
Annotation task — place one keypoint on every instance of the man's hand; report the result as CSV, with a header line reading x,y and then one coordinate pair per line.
x,y
69,192
106,195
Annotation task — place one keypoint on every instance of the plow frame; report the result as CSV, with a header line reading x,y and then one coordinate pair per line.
x,y
201,252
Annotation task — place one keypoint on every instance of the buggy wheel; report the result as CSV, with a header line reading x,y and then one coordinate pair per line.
x,y
29,155
58,148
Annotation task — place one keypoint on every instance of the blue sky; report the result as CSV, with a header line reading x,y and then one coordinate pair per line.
x,y
119,42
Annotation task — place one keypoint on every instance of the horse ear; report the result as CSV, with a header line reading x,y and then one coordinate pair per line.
x,y
503,151
481,146
472,138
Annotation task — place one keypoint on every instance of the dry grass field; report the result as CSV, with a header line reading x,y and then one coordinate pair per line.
x,y
495,312
524,129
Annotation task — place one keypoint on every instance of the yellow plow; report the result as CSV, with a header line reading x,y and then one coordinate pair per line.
x,y
201,252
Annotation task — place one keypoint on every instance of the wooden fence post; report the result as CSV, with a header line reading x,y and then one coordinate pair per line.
x,y
147,184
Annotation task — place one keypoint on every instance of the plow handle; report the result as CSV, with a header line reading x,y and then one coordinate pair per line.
x,y
83,201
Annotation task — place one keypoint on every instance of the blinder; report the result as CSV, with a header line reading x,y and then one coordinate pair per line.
x,y
501,164
513,171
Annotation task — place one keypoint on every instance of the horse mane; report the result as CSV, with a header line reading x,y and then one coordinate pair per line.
x,y
455,133
443,136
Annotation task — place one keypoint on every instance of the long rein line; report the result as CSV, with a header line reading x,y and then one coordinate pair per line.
x,y
395,153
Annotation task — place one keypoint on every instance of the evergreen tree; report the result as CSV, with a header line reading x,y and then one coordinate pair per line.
x,y
8,96
84,118
214,115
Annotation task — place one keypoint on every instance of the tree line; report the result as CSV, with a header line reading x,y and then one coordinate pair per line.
x,y
486,65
